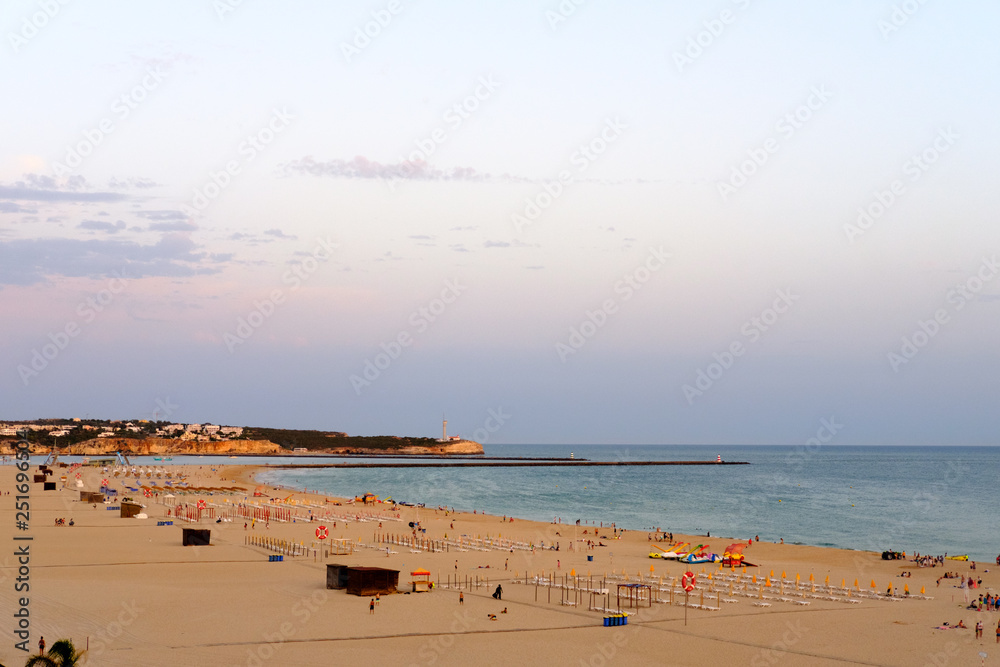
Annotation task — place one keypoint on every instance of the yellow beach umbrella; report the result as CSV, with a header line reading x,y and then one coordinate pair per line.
x,y
811,577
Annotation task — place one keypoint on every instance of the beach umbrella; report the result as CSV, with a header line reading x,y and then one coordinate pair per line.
x,y
754,579
796,576
767,582
921,590
906,588
890,586
782,574
856,584
873,583
651,569
811,577
827,582
772,574
572,572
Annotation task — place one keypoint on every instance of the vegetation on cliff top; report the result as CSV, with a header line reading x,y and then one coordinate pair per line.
x,y
315,440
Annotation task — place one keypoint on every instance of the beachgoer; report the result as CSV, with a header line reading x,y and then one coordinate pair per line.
x,y
979,629
41,642
378,599
504,610
461,598
371,606
498,593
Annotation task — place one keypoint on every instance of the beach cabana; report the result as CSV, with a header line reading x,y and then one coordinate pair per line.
x,y
196,537
129,510
362,580
421,580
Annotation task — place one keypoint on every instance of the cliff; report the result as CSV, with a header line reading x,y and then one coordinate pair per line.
x,y
156,446
441,449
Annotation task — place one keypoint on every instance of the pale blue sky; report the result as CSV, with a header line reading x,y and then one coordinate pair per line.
x,y
332,131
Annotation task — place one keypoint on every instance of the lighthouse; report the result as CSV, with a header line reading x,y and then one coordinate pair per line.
x,y
444,429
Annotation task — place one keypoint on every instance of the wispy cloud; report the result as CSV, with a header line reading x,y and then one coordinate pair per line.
x,y
102,226
31,261
278,234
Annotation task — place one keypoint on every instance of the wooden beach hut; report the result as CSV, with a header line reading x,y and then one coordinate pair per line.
x,y
362,580
421,580
129,510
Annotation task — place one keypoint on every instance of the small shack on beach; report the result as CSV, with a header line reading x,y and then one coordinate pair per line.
x,y
196,537
362,580
421,580
91,497
129,510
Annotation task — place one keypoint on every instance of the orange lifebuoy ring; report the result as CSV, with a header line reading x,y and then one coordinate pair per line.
x,y
202,505
322,533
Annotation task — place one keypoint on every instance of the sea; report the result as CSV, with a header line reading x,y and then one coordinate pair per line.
x,y
929,500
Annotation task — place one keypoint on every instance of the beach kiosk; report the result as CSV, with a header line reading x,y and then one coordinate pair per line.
x,y
130,510
362,580
421,580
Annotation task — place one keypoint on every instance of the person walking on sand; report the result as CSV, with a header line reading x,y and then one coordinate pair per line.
x,y
371,606
461,597
378,599
979,629
41,642
498,593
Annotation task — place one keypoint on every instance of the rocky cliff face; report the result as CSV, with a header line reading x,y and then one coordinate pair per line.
x,y
156,446
442,449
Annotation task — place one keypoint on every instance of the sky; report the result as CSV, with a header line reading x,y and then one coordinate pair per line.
x,y
731,222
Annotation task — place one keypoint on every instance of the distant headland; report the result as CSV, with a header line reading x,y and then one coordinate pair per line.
x,y
96,437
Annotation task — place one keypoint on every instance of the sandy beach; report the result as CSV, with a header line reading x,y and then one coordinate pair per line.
x,y
128,589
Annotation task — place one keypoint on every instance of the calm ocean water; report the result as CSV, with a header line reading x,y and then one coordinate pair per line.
x,y
925,499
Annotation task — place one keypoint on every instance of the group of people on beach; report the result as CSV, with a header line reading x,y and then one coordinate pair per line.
x,y
928,561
